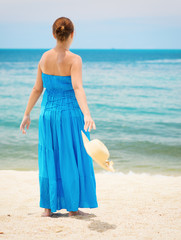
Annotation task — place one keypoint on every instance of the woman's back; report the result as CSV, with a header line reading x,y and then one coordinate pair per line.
x,y
57,62
56,76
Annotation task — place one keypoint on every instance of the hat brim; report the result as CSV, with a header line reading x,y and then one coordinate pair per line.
x,y
107,165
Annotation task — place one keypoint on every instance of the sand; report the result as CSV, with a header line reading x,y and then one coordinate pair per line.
x,y
131,207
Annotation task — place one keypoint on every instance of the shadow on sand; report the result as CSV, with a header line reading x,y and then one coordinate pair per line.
x,y
95,225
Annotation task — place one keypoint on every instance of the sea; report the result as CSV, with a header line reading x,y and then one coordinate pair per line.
x,y
134,97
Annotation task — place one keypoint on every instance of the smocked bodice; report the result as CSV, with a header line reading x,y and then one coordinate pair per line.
x,y
59,93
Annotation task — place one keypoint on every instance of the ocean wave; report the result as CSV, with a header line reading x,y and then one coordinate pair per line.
x,y
134,174
161,61
149,148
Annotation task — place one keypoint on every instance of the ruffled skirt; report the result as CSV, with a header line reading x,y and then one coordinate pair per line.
x,y
66,173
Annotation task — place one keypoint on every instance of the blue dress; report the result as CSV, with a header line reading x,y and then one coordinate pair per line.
x,y
66,173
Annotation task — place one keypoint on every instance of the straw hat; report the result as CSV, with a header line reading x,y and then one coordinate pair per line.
x,y
98,151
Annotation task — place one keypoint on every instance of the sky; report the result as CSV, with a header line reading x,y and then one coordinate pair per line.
x,y
119,24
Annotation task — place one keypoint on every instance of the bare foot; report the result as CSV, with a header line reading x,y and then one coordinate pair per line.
x,y
46,213
71,213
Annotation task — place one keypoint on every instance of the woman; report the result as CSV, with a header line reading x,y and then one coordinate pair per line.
x,y
66,174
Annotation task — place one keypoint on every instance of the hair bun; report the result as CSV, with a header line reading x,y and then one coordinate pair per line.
x,y
62,28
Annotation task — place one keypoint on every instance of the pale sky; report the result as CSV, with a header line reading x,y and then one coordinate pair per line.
x,y
128,24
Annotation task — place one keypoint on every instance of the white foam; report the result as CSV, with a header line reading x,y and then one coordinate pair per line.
x,y
131,173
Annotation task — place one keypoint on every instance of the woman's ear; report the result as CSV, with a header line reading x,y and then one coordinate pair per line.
x,y
72,34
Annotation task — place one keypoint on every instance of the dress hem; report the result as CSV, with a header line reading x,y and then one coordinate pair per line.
x,y
80,206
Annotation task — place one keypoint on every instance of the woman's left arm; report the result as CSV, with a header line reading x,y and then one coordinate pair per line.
x,y
34,96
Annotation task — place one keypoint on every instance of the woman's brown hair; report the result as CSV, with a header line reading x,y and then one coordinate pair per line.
x,y
62,28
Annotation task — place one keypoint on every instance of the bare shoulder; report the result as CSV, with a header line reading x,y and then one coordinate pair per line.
x,y
76,57
76,60
44,57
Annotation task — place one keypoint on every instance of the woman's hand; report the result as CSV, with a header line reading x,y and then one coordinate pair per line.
x,y
26,121
89,123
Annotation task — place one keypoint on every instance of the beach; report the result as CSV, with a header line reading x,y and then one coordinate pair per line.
x,y
130,207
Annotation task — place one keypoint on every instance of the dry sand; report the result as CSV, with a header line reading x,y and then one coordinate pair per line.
x,y
131,207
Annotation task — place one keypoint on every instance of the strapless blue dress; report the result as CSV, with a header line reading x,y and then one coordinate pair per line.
x,y
66,173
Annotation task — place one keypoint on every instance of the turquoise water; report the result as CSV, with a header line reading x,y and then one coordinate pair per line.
x,y
134,97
